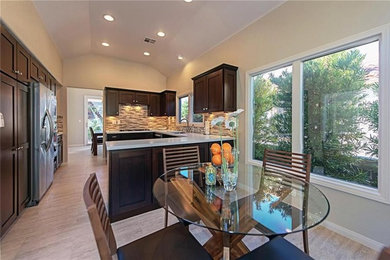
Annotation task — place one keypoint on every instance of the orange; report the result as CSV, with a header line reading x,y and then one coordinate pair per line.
x,y
227,147
231,158
217,159
228,157
215,149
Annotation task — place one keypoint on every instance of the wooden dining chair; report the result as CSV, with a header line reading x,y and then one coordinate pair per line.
x,y
176,157
95,141
297,165
171,243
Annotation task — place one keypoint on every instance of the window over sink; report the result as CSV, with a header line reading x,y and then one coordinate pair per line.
x,y
186,112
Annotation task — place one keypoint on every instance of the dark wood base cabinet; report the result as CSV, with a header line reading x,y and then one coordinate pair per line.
x,y
14,150
132,174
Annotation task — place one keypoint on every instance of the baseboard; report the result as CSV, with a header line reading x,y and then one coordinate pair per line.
x,y
368,242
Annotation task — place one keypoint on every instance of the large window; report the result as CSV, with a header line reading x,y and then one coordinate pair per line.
x,y
341,114
333,104
272,111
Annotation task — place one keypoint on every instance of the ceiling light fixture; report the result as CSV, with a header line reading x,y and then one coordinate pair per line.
x,y
105,44
161,34
188,1
179,57
108,17
147,53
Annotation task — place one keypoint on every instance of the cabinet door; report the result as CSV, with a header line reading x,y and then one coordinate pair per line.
x,y
215,91
200,95
34,74
230,90
130,181
43,76
23,147
171,104
8,145
23,64
112,103
154,104
142,98
127,97
8,53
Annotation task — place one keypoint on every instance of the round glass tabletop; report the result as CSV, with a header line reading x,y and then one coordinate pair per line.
x,y
263,203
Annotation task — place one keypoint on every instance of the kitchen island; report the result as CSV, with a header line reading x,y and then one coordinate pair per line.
x,y
135,164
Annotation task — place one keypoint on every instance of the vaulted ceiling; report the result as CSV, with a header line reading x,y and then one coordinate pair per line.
x,y
78,27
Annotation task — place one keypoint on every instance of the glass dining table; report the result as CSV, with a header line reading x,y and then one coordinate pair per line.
x,y
263,204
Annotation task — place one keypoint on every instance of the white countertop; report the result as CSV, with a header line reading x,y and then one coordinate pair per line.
x,y
187,138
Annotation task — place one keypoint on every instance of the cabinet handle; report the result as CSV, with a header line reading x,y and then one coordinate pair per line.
x,y
15,71
20,73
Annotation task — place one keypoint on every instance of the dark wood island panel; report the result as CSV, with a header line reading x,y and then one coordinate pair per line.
x,y
132,173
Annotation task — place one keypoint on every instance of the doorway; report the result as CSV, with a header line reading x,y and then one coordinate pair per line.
x,y
93,116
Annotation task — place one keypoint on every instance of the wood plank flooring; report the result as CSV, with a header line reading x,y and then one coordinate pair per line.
x,y
59,228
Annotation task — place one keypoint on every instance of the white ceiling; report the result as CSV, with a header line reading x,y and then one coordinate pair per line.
x,y
78,27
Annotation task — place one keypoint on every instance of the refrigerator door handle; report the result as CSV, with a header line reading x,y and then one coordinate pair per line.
x,y
46,143
51,124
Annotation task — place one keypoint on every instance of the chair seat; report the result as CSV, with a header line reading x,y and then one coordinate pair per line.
x,y
171,243
276,249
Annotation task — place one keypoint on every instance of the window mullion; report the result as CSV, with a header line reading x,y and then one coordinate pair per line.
x,y
297,107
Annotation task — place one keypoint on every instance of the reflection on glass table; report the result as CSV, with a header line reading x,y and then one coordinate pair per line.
x,y
263,204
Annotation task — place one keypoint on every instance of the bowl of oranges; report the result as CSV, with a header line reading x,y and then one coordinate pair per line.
x,y
218,152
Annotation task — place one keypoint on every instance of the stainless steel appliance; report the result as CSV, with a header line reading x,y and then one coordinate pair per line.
x,y
44,106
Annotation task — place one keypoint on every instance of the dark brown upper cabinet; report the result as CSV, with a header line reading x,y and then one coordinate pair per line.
x,y
216,90
23,64
154,104
168,103
34,69
15,60
142,98
43,76
112,102
126,97
133,97
8,53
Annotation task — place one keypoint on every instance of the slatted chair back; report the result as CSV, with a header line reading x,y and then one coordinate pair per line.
x,y
295,164
180,156
98,217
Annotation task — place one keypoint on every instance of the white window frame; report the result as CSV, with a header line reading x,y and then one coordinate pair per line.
x,y
190,110
382,193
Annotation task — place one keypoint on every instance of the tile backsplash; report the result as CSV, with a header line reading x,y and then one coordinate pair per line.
x,y
136,117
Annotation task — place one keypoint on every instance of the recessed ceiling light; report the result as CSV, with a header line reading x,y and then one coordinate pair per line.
x,y
161,34
179,57
105,44
188,1
108,17
147,53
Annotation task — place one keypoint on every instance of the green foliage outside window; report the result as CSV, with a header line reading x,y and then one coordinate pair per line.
x,y
340,115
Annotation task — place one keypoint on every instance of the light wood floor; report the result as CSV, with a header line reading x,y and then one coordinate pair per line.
x,y
58,228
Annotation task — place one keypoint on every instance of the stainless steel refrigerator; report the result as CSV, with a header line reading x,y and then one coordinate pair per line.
x,y
44,129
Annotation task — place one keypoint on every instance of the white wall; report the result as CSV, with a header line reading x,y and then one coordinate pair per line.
x,y
96,72
75,114
293,28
